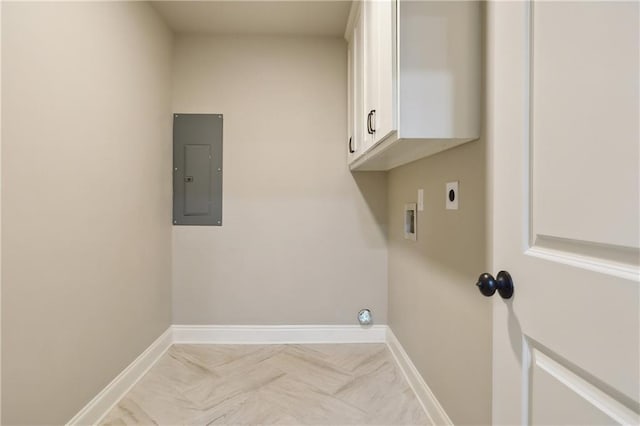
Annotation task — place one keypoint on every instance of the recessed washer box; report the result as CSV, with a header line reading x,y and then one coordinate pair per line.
x,y
410,221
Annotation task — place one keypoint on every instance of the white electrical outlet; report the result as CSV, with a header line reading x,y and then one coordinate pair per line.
x,y
420,200
453,196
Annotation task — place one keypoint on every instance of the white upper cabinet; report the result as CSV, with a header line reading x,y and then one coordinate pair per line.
x,y
420,81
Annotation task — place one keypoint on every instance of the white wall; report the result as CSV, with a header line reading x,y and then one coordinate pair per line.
x,y
299,244
86,199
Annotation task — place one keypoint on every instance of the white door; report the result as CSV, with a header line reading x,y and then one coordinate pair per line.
x,y
563,108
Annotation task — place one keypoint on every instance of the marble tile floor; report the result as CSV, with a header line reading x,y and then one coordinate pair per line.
x,y
328,384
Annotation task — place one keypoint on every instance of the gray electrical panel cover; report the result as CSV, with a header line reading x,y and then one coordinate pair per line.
x,y
197,169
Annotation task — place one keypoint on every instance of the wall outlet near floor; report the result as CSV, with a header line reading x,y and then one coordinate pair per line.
x,y
453,195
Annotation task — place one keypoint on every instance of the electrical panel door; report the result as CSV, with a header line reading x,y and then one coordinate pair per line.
x,y
197,169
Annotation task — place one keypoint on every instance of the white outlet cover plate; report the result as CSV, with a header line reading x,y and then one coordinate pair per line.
x,y
420,200
452,186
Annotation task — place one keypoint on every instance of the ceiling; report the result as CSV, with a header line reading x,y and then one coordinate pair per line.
x,y
262,17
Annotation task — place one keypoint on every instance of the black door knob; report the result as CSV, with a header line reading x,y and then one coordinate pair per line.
x,y
488,285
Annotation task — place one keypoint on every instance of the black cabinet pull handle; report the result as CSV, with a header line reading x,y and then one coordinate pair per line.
x,y
373,121
351,150
370,123
488,285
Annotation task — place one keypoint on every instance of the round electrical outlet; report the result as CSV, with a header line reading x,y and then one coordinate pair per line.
x,y
364,317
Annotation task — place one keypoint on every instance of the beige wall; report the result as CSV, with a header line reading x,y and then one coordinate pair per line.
x,y
302,241
86,197
435,309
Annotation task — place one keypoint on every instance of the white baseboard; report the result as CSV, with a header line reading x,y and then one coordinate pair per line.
x,y
430,404
270,334
99,406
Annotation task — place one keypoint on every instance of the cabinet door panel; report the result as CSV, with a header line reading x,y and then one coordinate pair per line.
x,y
385,70
370,22
350,100
356,89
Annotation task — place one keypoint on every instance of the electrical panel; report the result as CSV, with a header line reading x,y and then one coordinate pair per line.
x,y
197,169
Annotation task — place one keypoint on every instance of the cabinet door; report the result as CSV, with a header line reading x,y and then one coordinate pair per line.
x,y
359,117
385,116
370,45
350,101
379,50
356,122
